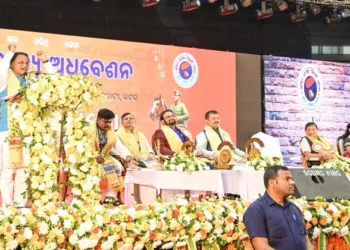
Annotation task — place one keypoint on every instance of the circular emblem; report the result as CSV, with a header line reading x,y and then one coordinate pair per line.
x,y
317,147
185,70
225,156
310,87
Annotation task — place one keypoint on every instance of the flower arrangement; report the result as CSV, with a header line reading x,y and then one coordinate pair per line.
x,y
261,163
184,163
64,98
337,163
210,223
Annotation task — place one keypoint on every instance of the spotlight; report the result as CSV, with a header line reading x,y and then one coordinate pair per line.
x,y
345,13
148,3
282,5
189,5
299,15
334,17
246,3
264,13
228,8
315,9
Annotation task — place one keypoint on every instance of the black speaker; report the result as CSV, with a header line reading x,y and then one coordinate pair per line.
x,y
328,183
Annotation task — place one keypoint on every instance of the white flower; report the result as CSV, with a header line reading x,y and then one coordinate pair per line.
x,y
22,220
80,147
335,230
208,215
23,125
180,168
344,231
307,215
67,224
72,158
168,245
328,230
28,233
172,167
51,246
316,233
333,208
197,237
87,186
87,96
73,239
46,95
54,219
99,220
43,228
138,247
87,225
156,244
12,245
125,247
46,138
49,184
84,243
17,114
107,245
28,140
84,169
76,191
34,86
329,218
42,187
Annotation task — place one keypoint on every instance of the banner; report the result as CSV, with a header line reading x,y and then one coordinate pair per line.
x,y
135,76
298,91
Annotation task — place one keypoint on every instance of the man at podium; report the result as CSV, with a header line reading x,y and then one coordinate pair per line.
x,y
13,70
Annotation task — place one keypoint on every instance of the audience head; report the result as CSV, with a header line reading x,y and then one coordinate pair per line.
x,y
279,181
19,63
128,120
212,118
105,118
167,117
311,129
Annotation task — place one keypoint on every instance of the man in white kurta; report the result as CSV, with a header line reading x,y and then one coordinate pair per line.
x,y
12,182
212,136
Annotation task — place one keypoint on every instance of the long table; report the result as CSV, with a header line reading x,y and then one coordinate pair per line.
x,y
143,186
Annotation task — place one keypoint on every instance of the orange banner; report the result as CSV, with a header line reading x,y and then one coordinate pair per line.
x,y
133,74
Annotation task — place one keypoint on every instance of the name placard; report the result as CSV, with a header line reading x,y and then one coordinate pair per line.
x,y
322,172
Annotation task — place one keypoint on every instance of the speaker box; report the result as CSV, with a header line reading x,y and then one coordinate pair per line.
x,y
328,183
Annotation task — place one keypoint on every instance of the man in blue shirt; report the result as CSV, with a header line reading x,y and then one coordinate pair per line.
x,y
272,221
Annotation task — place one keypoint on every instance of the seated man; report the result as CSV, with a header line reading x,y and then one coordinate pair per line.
x,y
134,140
104,140
212,136
170,137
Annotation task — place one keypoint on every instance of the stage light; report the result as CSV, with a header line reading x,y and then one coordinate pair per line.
x,y
264,13
345,13
282,5
334,17
189,5
315,9
212,1
299,15
148,3
228,8
246,3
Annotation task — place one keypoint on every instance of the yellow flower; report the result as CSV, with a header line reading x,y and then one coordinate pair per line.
x,y
60,238
182,232
8,237
130,226
336,223
29,217
106,218
235,236
224,237
16,221
44,199
169,215
34,238
2,230
20,238
241,226
145,226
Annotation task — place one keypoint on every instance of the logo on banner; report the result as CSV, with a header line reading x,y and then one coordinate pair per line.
x,y
41,41
12,39
185,70
310,87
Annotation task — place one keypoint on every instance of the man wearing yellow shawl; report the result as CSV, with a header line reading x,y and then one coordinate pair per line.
x,y
314,148
212,136
169,137
104,140
134,140
13,70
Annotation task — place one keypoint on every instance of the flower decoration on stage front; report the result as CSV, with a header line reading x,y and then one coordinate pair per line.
x,y
183,163
51,113
261,163
337,163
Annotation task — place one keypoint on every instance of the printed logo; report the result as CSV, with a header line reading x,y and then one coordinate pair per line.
x,y
310,87
41,41
185,70
12,39
74,45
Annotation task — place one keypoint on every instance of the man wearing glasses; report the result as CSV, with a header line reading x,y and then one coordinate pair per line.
x,y
170,137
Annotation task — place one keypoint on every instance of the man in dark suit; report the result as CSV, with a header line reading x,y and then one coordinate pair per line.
x,y
169,138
